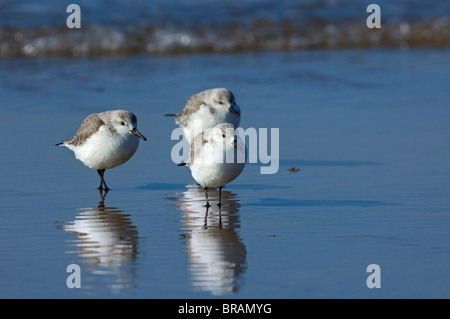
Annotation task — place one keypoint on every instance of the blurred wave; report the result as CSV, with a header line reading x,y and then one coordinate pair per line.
x,y
181,26
261,35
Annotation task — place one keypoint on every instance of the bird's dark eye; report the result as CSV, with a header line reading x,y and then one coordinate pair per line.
x,y
223,135
122,123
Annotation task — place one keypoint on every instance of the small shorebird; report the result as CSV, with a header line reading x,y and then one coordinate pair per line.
x,y
207,108
209,158
105,140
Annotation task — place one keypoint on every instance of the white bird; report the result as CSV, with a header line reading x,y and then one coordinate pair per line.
x,y
105,140
207,108
216,158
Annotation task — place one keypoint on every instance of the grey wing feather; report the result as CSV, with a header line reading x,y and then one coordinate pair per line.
x,y
196,147
90,125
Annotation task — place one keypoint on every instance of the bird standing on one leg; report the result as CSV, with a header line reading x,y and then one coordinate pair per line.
x,y
105,140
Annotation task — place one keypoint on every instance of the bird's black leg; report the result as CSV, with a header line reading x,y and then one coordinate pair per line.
x,y
101,179
101,172
206,194
220,197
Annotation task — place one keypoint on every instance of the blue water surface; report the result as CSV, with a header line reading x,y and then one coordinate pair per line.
x,y
367,130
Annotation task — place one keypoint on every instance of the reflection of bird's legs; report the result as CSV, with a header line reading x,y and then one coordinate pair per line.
x,y
220,216
206,217
101,203
206,194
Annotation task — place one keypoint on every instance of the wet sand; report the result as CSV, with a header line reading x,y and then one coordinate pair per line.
x,y
363,179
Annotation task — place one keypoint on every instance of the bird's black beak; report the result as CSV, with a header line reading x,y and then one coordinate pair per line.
x,y
234,109
237,146
138,134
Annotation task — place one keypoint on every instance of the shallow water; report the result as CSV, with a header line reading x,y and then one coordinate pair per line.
x,y
367,129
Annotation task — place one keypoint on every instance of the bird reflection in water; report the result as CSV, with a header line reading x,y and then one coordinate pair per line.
x,y
106,241
217,255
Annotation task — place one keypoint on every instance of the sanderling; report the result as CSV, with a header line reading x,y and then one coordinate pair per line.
x,y
208,108
209,160
105,140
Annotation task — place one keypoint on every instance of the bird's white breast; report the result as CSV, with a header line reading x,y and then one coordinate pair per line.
x,y
210,167
207,120
105,149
